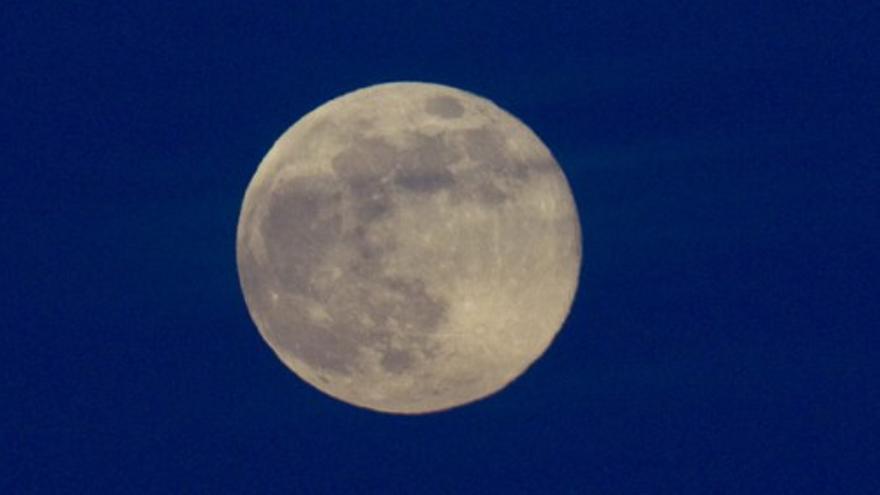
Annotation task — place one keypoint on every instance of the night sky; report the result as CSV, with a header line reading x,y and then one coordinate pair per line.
x,y
723,156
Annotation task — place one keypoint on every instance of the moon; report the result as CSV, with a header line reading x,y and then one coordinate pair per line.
x,y
408,248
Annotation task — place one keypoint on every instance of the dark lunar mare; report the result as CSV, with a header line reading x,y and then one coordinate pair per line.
x,y
447,107
367,308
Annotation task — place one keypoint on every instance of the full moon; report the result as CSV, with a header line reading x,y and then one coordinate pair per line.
x,y
408,248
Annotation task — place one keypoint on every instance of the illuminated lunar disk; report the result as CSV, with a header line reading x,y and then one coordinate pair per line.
x,y
408,248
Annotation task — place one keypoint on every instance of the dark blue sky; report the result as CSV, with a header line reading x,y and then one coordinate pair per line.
x,y
724,159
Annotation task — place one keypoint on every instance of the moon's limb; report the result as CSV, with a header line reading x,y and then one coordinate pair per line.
x,y
408,248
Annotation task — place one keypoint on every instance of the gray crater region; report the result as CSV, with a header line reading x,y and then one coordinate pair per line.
x,y
408,248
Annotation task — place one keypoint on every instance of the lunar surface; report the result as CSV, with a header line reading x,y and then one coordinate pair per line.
x,y
408,248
